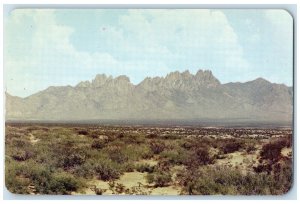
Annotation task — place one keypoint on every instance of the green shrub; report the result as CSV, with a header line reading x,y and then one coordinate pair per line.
x,y
116,154
175,156
159,178
42,179
132,138
108,170
14,181
64,183
85,171
73,159
209,180
20,143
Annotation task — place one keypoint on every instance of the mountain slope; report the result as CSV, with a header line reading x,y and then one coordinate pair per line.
x,y
178,96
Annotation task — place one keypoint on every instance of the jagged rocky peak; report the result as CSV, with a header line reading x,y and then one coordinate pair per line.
x,y
100,80
150,83
187,74
173,75
206,78
182,80
122,79
83,84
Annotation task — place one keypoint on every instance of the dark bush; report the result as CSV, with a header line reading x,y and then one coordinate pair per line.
x,y
73,159
231,147
263,168
144,168
107,170
22,155
83,132
187,145
198,156
152,136
157,147
159,178
171,137
94,136
128,167
98,144
272,151
121,135
85,170
250,148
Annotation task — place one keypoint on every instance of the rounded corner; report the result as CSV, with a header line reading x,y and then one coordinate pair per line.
x,y
14,11
8,193
289,190
6,190
288,13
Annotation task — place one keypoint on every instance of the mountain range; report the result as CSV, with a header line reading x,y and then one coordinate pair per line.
x,y
177,96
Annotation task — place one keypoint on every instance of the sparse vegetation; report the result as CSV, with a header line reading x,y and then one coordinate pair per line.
x,y
58,159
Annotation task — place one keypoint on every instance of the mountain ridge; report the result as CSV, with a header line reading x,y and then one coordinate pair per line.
x,y
181,96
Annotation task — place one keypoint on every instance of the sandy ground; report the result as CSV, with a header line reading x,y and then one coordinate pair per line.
x,y
239,160
129,180
32,139
132,180
287,152
151,162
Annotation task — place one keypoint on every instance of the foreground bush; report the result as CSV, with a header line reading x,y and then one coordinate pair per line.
x,y
231,146
41,179
108,170
144,168
177,156
157,147
22,155
98,144
227,181
64,183
198,156
159,178
272,151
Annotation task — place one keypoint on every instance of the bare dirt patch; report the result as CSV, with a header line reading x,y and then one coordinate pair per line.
x,y
32,139
287,152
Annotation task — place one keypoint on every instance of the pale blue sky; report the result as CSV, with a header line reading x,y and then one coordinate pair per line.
x,y
63,47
